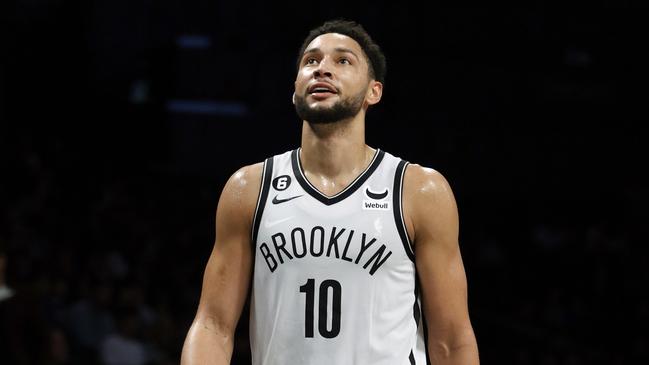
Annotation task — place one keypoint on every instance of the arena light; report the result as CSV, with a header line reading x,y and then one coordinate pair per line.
x,y
208,107
196,41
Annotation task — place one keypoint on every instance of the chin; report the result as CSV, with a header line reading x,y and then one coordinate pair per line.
x,y
321,104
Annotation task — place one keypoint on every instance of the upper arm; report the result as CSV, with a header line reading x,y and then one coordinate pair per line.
x,y
432,221
228,271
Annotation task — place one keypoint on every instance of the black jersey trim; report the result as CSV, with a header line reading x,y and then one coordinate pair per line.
x,y
426,340
349,190
261,202
412,358
416,310
420,318
397,200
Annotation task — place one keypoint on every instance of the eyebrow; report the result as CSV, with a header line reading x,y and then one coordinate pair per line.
x,y
337,49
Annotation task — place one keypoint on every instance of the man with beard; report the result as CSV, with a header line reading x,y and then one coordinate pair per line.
x,y
352,252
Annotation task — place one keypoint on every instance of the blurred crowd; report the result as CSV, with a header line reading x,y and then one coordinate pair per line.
x,y
87,266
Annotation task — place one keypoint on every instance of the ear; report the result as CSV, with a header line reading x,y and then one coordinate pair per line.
x,y
374,92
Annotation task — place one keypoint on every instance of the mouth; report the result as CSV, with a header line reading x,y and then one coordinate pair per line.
x,y
322,89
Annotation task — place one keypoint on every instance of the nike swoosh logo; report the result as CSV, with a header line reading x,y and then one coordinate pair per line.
x,y
375,195
269,224
279,201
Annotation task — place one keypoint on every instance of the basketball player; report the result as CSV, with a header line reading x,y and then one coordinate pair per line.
x,y
351,254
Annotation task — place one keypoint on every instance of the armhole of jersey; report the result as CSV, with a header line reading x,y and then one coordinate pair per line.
x,y
261,200
397,196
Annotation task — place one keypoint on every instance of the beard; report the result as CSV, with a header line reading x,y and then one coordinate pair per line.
x,y
343,109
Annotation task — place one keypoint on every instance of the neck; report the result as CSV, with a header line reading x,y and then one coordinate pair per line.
x,y
335,149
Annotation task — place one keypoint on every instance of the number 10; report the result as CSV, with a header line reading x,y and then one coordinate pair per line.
x,y
309,290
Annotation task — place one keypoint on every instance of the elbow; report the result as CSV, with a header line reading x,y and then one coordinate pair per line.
x,y
456,350
447,350
214,325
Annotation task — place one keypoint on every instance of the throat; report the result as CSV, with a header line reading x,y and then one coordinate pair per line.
x,y
331,170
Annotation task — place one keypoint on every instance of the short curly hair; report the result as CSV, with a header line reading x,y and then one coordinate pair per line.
x,y
373,54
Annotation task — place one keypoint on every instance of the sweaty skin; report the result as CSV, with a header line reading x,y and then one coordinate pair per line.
x,y
332,156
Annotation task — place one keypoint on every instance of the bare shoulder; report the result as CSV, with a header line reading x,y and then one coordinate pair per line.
x,y
425,182
246,178
240,193
428,202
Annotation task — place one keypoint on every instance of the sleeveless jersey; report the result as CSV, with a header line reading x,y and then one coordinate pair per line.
x,y
334,279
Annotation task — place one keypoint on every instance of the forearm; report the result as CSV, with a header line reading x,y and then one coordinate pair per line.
x,y
462,351
207,345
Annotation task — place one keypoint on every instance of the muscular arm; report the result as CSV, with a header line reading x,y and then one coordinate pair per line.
x,y
227,275
432,221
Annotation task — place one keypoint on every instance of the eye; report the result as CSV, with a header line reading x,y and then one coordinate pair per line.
x,y
310,61
344,61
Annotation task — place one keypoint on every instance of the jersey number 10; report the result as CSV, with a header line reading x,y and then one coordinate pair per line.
x,y
323,313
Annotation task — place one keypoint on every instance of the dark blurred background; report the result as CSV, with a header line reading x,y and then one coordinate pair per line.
x,y
121,121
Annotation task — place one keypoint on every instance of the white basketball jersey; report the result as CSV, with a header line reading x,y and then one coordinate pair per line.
x,y
334,277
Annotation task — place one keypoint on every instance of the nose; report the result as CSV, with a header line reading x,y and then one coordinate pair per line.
x,y
323,69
